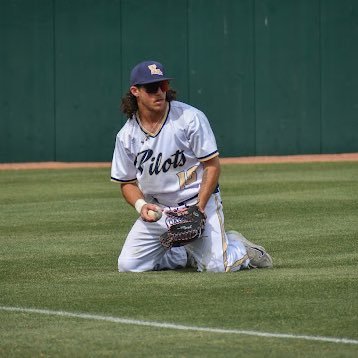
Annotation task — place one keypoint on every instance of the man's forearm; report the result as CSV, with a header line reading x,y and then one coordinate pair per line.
x,y
209,181
131,193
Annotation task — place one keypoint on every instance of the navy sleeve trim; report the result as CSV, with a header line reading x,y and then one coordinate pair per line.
x,y
123,181
209,156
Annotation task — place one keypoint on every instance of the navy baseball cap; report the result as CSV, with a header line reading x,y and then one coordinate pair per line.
x,y
148,72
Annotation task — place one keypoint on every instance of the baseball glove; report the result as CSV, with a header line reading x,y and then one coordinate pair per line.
x,y
184,226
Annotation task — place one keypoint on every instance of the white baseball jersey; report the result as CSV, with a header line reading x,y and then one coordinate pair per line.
x,y
167,164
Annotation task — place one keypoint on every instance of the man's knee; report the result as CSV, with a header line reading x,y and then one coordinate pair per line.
x,y
125,265
131,265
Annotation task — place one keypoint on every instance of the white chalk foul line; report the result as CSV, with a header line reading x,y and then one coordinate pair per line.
x,y
177,326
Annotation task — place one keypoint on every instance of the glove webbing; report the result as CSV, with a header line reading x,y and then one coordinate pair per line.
x,y
177,220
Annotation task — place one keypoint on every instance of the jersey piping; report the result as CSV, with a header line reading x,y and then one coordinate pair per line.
x,y
123,181
209,156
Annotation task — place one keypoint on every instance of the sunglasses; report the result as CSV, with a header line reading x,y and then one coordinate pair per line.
x,y
153,87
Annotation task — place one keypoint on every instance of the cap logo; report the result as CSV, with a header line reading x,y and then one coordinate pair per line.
x,y
154,70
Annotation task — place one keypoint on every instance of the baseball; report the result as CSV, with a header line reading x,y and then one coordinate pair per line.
x,y
155,214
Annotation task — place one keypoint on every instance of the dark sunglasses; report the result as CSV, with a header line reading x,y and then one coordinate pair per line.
x,y
153,87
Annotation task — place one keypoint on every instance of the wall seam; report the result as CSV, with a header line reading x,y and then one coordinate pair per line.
x,y
121,42
54,80
187,49
320,75
254,72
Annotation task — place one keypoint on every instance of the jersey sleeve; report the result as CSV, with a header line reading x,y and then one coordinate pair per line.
x,y
123,169
201,137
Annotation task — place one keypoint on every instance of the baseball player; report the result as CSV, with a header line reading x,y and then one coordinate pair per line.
x,y
165,158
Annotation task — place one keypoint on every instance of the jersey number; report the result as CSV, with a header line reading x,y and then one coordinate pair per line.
x,y
187,177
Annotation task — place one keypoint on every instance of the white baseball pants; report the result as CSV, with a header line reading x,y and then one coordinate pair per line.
x,y
214,252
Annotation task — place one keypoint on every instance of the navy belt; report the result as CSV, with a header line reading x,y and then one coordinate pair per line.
x,y
195,196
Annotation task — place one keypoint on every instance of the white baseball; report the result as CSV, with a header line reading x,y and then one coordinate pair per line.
x,y
155,214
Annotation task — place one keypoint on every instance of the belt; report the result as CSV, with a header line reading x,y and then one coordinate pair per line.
x,y
195,196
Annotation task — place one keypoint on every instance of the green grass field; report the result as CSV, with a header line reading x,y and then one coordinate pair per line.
x,y
62,230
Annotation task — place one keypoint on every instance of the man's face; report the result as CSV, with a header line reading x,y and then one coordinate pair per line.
x,y
151,96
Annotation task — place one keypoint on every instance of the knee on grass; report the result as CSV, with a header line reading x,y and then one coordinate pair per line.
x,y
126,265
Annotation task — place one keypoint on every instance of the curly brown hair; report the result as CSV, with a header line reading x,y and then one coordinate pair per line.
x,y
129,104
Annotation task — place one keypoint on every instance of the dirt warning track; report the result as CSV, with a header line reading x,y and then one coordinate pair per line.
x,y
234,160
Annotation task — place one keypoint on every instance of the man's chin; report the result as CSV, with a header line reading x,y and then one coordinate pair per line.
x,y
159,105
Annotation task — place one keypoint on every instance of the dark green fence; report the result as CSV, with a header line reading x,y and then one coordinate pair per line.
x,y
274,77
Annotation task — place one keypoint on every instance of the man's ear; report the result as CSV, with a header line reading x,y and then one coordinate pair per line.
x,y
135,91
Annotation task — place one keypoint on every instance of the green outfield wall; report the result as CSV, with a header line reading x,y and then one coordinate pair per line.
x,y
274,77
